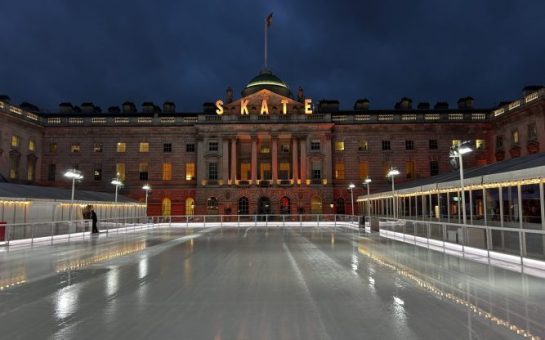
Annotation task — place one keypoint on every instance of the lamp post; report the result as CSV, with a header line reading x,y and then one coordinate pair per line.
x,y
118,183
351,188
73,174
147,188
457,151
367,182
392,173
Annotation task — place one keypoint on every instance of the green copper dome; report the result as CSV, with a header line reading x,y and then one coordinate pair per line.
x,y
266,80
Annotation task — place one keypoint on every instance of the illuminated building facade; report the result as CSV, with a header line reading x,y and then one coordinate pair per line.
x,y
269,151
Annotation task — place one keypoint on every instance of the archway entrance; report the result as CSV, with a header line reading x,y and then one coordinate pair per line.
x,y
264,206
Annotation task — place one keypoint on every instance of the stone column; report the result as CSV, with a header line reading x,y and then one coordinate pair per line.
x,y
225,161
233,161
303,160
295,160
254,159
201,165
274,159
327,165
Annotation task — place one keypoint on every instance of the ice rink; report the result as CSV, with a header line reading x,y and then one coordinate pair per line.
x,y
257,283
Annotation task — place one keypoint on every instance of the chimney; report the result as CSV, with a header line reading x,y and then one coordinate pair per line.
x,y
66,107
208,108
462,103
87,108
128,107
114,110
361,105
29,107
169,107
404,104
148,107
531,89
441,106
5,98
469,102
325,106
423,106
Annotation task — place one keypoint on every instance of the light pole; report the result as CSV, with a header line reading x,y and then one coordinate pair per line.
x,y
351,188
73,174
392,173
367,183
457,151
147,188
117,182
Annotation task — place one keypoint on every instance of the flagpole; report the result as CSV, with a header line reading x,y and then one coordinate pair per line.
x,y
266,25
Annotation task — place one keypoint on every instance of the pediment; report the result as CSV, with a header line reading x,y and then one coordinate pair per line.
x,y
275,104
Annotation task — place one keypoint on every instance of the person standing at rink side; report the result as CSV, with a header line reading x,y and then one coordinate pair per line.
x,y
94,218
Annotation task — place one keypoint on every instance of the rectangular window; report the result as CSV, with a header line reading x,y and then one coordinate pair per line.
x,y
532,131
97,174
245,171
362,145
167,147
31,168
409,145
434,168
52,147
515,137
15,141
364,170
456,142
315,145
51,172
409,169
479,144
212,146
499,142
190,148
120,171
97,147
143,147
385,145
143,171
284,172
167,171
31,145
213,171
316,170
339,170
285,147
265,171
121,147
432,143
339,146
189,171
265,149
75,148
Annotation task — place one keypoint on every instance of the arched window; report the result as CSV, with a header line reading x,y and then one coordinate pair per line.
x,y
285,208
165,207
340,206
212,206
243,206
189,206
316,205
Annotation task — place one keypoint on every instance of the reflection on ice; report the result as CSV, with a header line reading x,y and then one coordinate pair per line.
x,y
66,301
112,281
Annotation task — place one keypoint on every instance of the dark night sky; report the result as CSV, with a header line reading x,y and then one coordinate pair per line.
x,y
107,51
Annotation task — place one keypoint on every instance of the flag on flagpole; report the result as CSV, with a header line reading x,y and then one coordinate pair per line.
x,y
268,20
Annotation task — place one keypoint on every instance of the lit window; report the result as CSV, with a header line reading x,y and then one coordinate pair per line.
x,y
120,171
515,137
362,145
166,207
143,171
213,146
265,171
315,145
456,142
189,171
167,171
532,131
479,144
364,170
15,141
339,170
97,147
52,147
144,147
339,146
31,145
31,168
213,171
285,147
284,171
409,169
245,169
121,147
265,149
75,148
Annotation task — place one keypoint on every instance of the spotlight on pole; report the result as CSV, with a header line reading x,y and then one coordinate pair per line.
x,y
118,183
74,175
392,173
351,188
456,152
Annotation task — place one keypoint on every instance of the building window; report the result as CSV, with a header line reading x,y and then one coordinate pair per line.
x,y
189,206
265,149
285,147
213,171
432,143
213,146
120,171
285,205
14,166
515,137
190,148
31,145
121,147
245,169
409,145
385,145
212,204
165,207
480,144
75,148
15,141
456,142
340,206
339,170
315,145
339,146
52,147
167,147
51,172
434,168
97,174
363,170
143,147
362,145
284,171
243,206
189,171
265,171
31,168
499,142
409,169
532,131
167,171
143,171
97,147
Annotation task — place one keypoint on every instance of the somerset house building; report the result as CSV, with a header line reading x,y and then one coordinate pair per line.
x,y
272,150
